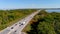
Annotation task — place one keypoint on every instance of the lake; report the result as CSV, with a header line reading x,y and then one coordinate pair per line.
x,y
53,10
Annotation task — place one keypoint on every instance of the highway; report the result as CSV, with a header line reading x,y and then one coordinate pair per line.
x,y
18,26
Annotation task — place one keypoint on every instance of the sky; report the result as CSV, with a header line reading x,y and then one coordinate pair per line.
x,y
20,4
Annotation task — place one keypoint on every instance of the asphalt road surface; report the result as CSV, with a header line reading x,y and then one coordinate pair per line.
x,y
18,27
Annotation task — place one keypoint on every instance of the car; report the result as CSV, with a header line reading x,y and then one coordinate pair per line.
x,y
15,30
12,27
23,23
20,25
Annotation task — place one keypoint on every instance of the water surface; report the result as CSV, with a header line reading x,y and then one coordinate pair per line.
x,y
53,10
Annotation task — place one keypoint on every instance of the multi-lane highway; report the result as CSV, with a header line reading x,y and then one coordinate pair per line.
x,y
18,27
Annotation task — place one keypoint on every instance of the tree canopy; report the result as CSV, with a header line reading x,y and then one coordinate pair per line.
x,y
9,17
46,23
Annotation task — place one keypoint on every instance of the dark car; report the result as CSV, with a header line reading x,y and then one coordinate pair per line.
x,y
15,30
23,23
20,25
12,27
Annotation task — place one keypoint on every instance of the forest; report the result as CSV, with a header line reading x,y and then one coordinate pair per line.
x,y
45,23
9,17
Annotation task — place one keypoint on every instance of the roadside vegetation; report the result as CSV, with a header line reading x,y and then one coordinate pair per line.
x,y
9,17
45,23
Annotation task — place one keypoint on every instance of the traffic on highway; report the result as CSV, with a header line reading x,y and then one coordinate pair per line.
x,y
18,27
